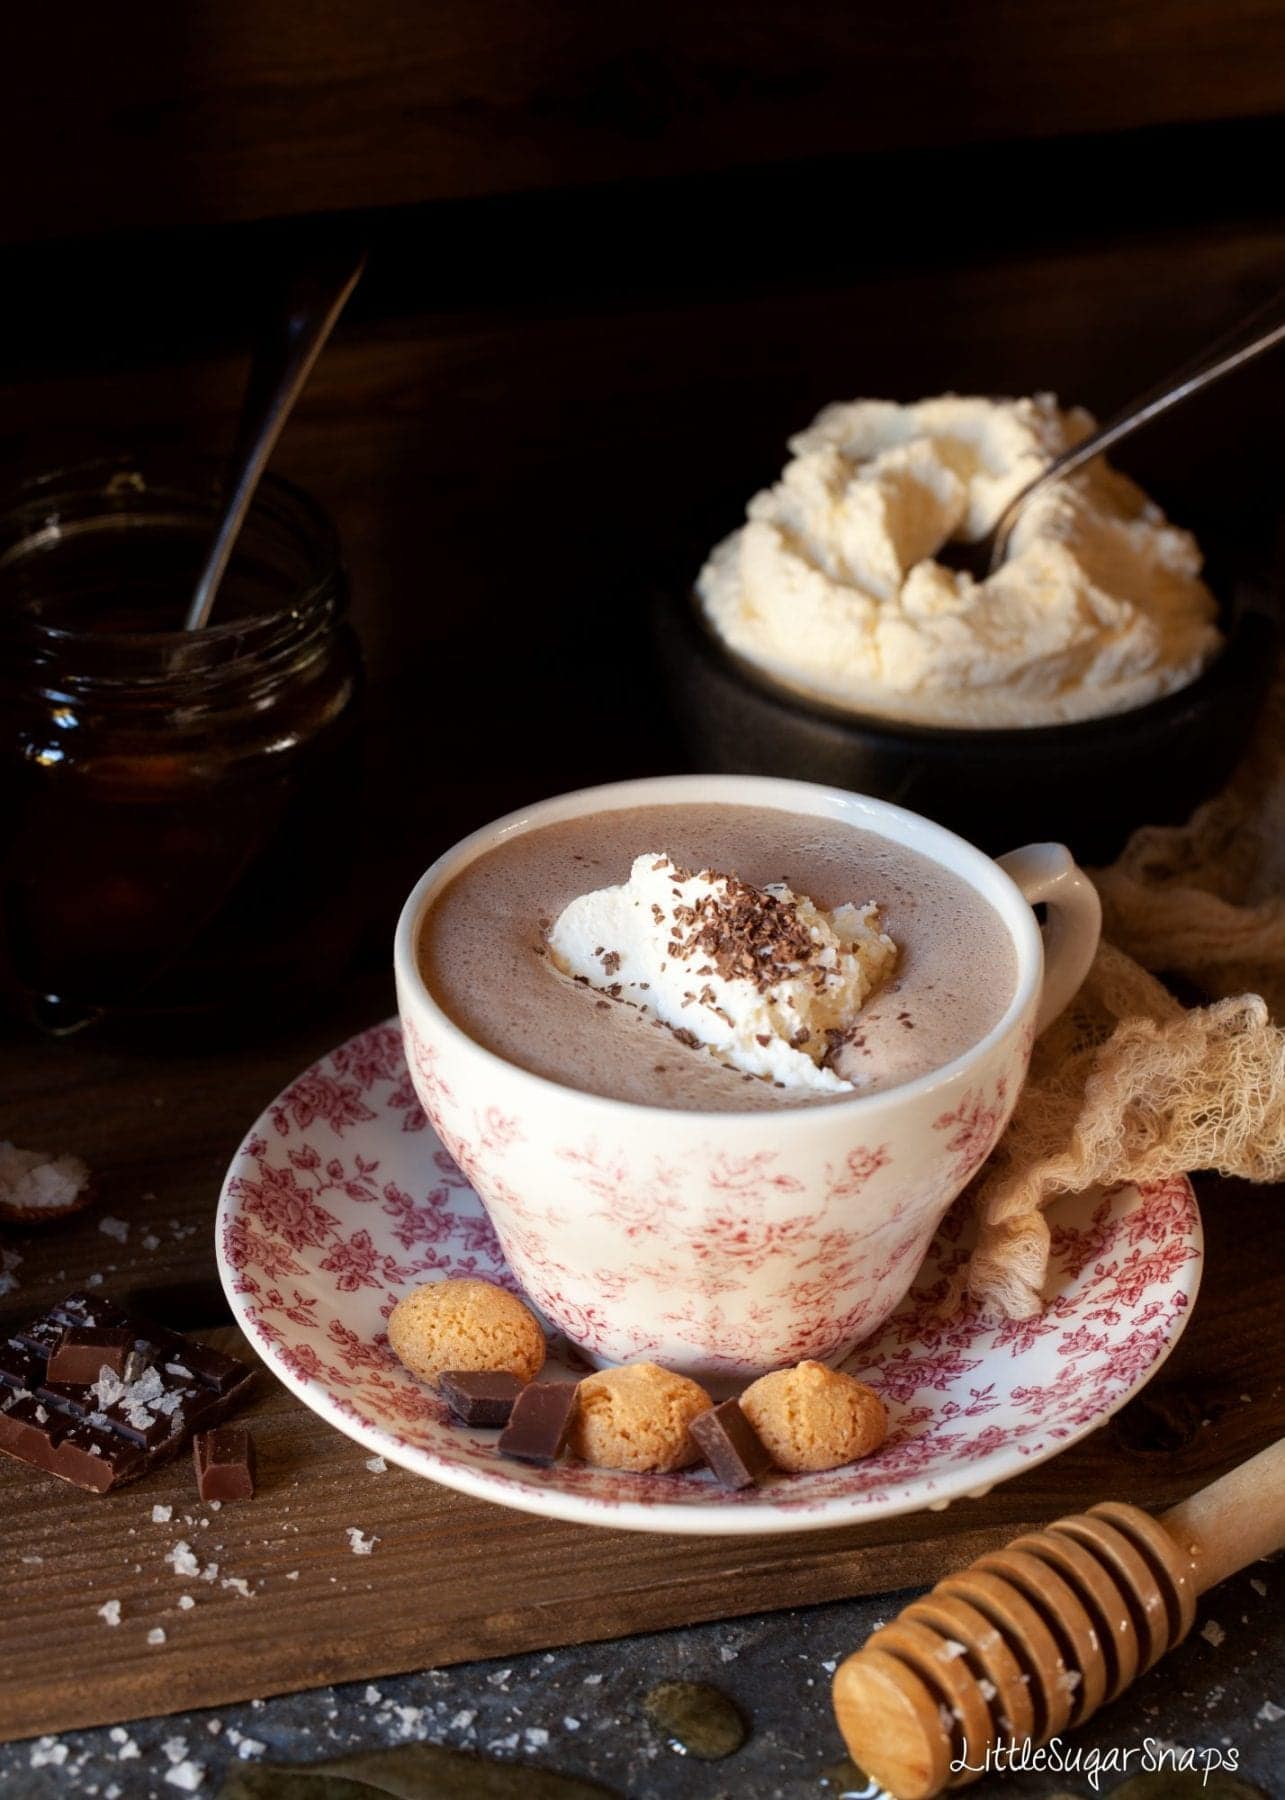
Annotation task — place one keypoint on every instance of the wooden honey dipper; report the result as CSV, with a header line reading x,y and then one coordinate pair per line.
x,y
1032,1639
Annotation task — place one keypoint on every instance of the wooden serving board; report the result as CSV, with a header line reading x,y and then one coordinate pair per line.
x,y
449,1578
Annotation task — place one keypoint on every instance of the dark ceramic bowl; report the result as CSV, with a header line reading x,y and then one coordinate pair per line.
x,y
1087,784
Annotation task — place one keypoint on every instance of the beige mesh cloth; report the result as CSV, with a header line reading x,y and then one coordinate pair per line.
x,y
1129,1085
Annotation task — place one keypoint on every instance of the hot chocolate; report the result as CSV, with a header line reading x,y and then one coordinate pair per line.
x,y
484,955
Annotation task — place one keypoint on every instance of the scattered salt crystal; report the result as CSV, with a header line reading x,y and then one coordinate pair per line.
x,y
249,1747
830,1665
1213,1633
175,1749
186,1603
293,1575
156,1635
1259,1587
9,1261
161,1515
498,1677
109,1612
182,1559
214,1726
536,1736
94,1280
151,1241
118,1734
1270,1713
986,1688
187,1776
34,1181
726,1653
570,1724
239,1585
372,1696
48,1750
114,1228
592,1680
37,1560
376,1465
504,1743
359,1543
215,1505
179,1369
950,1649
113,1791
42,1417
210,1572
464,1718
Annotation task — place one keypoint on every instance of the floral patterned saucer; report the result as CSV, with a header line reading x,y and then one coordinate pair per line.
x,y
341,1198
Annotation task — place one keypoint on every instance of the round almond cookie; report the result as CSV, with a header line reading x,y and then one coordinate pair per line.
x,y
636,1417
813,1418
465,1325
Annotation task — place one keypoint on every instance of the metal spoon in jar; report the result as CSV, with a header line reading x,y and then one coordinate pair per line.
x,y
277,378
1262,329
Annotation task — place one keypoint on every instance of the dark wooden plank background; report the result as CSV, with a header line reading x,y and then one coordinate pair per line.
x,y
227,109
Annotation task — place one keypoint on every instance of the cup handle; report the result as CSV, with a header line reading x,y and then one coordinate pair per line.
x,y
1047,872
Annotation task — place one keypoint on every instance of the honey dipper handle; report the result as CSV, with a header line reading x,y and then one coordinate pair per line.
x,y
1234,1521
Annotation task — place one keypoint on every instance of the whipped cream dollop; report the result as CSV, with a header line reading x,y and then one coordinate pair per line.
x,y
832,586
762,977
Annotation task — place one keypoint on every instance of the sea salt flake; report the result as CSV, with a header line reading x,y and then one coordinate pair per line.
x,y
504,1743
249,1747
359,1543
156,1635
1259,1587
570,1724
182,1559
536,1736
376,1465
185,1603
951,1648
175,1749
372,1696
109,1612
592,1680
239,1585
114,1228
187,1776
48,1750
293,1575
1213,1633
161,1515
986,1688
210,1572
726,1653
1270,1713
463,1719
151,1241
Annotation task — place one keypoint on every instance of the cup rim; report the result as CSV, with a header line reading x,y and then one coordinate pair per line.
x,y
881,817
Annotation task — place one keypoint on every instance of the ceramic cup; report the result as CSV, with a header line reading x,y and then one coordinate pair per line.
x,y
725,1244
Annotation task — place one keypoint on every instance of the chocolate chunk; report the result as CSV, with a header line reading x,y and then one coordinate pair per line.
x,y
730,1445
84,1351
480,1396
224,1463
539,1422
109,1427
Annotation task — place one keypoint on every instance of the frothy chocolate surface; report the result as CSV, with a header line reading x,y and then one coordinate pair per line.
x,y
481,953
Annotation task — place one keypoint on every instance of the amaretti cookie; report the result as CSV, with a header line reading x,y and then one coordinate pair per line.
x,y
812,1418
637,1417
465,1325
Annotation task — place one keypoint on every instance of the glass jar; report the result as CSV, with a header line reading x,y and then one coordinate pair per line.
x,y
175,807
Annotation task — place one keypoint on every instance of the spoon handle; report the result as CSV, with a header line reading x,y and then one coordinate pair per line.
x,y
1258,332
277,377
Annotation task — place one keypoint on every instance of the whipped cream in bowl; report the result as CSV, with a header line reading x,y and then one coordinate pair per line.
x,y
836,587
762,978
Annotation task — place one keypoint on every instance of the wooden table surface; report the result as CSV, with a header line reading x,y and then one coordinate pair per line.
x,y
157,1117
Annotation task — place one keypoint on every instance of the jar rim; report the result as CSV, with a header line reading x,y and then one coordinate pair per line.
x,y
92,490
195,480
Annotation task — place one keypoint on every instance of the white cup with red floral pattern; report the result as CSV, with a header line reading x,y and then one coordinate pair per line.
x,y
724,1244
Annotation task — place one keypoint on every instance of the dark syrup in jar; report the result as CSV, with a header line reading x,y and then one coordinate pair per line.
x,y
172,804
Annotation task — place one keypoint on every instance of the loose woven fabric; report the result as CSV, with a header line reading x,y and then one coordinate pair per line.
x,y
1129,1085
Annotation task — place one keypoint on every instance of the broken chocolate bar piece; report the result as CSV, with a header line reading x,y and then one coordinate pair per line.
x,y
84,1351
539,1423
109,1428
730,1445
480,1396
224,1461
